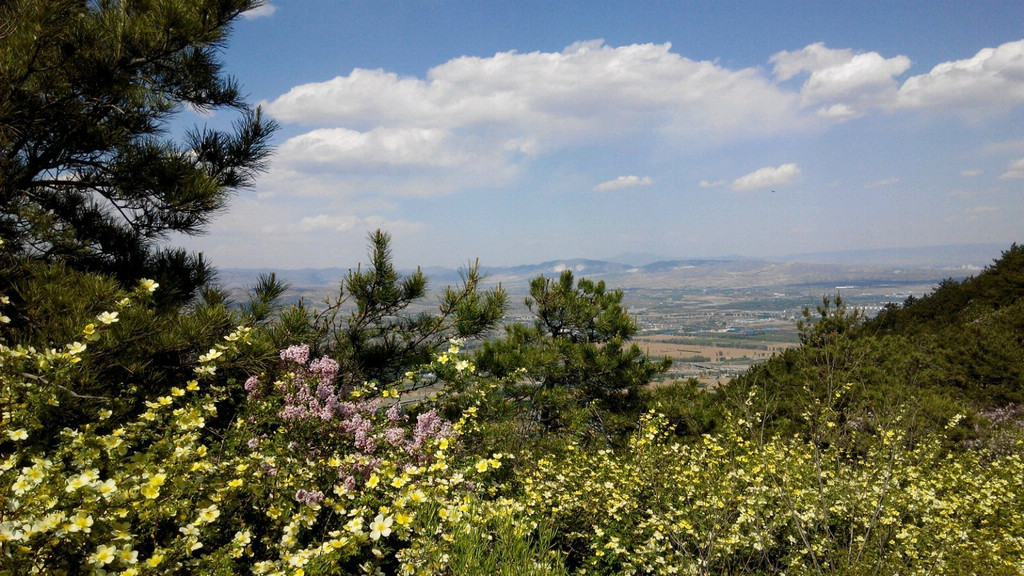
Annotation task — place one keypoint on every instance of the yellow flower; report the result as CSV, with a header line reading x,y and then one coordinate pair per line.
x,y
355,525
19,434
148,285
209,514
128,556
21,485
76,348
107,317
103,555
242,538
80,523
155,560
235,483
205,370
380,526
107,487
80,481
213,354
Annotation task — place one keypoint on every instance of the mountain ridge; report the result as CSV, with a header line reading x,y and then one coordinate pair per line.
x,y
926,264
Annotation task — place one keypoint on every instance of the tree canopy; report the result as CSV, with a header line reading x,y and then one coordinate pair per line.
x,y
578,341
90,171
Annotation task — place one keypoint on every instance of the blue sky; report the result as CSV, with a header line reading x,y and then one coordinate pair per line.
x,y
527,131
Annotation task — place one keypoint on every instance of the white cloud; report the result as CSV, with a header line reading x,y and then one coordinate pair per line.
x,y
477,122
975,213
993,78
349,222
343,149
970,173
1014,171
767,178
566,97
497,113
262,11
715,184
624,182
787,64
844,83
882,183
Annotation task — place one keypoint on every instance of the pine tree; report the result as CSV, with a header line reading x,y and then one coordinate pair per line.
x,y
89,172
578,342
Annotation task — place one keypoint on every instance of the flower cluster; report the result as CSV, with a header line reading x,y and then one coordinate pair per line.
x,y
729,505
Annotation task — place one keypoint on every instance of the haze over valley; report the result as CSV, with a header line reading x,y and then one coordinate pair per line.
x,y
714,317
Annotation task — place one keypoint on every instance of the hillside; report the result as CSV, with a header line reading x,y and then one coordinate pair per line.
x,y
954,351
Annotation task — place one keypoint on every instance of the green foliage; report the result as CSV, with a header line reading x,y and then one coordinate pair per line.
x,y
141,350
955,351
372,328
832,322
577,343
952,303
88,174
299,469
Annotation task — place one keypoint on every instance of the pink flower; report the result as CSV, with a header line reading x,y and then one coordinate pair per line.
x,y
297,354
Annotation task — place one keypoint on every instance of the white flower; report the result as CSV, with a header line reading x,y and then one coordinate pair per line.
x,y
107,317
381,526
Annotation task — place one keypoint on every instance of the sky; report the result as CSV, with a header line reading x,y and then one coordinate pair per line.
x,y
520,132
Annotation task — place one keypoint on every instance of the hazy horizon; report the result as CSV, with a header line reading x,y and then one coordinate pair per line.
x,y
978,255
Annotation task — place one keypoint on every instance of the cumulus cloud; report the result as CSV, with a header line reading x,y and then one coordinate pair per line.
x,y
505,110
993,78
1015,170
565,97
767,178
344,149
476,122
261,11
624,182
786,65
841,83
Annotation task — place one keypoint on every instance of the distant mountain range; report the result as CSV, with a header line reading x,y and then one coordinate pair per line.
x,y
915,265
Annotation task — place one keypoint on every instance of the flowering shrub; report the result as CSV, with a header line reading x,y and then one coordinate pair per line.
x,y
291,472
727,505
308,477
